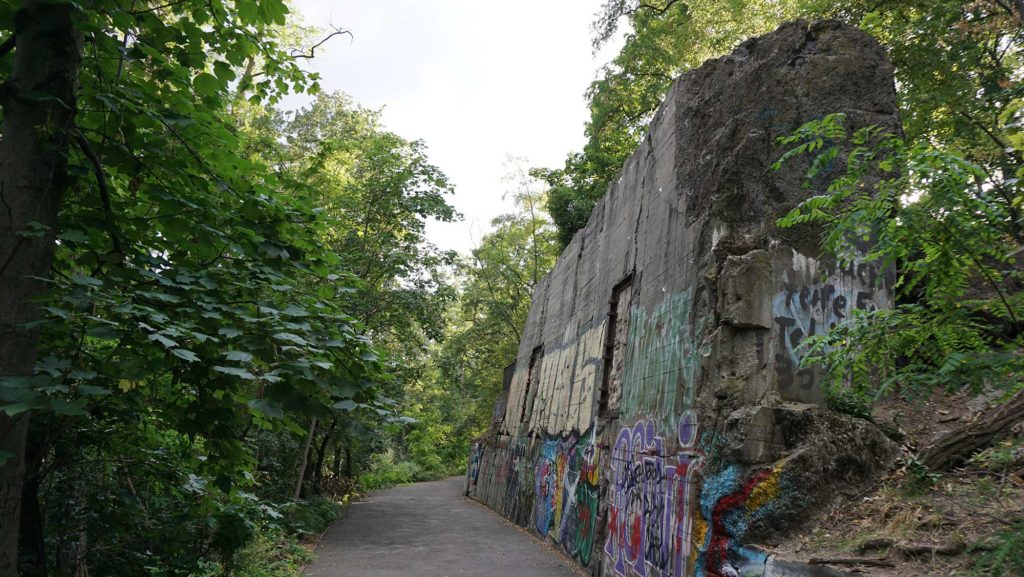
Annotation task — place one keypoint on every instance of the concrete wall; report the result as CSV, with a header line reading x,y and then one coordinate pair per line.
x,y
657,419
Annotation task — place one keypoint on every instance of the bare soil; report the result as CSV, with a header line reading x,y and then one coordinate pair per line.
x,y
915,522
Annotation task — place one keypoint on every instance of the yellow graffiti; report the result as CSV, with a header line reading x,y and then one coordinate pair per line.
x,y
590,471
765,492
698,533
559,465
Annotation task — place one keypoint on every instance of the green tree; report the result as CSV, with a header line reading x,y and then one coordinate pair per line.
x,y
664,39
949,230
166,295
957,65
496,287
378,190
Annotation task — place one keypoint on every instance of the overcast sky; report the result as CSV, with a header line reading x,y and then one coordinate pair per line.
x,y
476,80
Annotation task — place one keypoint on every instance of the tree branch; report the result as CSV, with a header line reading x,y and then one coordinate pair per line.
x,y
652,8
101,182
1002,144
312,49
134,12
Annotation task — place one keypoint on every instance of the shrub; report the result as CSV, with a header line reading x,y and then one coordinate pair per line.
x,y
308,517
386,471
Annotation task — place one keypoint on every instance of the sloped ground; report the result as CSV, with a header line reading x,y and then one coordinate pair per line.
x,y
915,522
430,530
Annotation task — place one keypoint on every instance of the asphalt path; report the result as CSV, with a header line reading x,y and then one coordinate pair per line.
x,y
431,530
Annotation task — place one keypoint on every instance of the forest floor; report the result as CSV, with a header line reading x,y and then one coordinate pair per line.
x,y
915,522
430,530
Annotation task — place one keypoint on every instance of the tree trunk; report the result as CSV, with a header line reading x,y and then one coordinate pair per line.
x,y
349,469
990,426
32,550
38,101
318,469
336,465
304,458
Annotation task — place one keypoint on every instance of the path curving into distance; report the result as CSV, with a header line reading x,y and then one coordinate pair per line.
x,y
431,530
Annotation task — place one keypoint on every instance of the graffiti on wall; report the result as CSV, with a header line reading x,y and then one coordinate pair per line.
x,y
566,477
729,506
804,310
662,358
556,394
476,456
513,473
649,514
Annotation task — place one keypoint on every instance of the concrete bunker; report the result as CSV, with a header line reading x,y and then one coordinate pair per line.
x,y
657,421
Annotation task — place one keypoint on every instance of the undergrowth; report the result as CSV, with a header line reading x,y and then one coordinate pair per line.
x,y
387,470
1006,556
280,545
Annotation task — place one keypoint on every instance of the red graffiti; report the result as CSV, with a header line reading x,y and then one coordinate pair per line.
x,y
719,543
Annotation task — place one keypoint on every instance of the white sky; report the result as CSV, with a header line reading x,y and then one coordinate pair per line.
x,y
477,80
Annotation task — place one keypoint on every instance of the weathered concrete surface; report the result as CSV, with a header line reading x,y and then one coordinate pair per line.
x,y
657,421
430,530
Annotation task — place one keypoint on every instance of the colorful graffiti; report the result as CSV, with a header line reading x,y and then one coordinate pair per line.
x,y
732,506
649,516
566,496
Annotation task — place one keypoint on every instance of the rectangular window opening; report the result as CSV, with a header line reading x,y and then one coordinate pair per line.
x,y
614,336
532,377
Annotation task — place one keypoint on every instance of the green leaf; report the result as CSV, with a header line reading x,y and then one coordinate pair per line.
x,y
267,407
206,84
291,338
223,71
166,342
33,229
273,11
185,354
92,390
238,356
86,280
295,311
164,297
248,12
345,405
74,236
238,372
103,332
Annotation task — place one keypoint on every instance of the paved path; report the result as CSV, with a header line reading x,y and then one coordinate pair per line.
x,y
431,530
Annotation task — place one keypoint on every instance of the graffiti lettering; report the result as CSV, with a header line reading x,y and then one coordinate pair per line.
x,y
663,352
803,311
649,516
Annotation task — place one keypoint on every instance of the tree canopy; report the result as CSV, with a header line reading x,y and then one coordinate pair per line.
x,y
957,68
219,318
207,285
